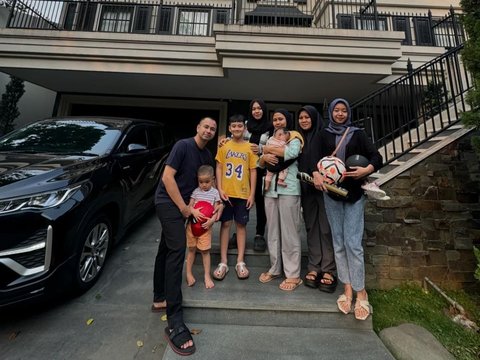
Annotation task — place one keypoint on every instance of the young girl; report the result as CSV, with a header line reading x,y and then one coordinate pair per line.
x,y
346,216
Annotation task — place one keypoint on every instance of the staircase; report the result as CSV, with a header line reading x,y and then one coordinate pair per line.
x,y
245,319
416,115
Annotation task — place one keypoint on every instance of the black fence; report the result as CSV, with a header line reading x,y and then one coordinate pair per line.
x,y
181,18
416,107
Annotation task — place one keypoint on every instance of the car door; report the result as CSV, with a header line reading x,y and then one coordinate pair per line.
x,y
135,165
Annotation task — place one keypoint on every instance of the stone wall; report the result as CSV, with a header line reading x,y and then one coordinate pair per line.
x,y
430,224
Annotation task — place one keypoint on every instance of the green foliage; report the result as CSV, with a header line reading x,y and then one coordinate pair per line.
x,y
433,95
471,58
476,251
410,304
8,106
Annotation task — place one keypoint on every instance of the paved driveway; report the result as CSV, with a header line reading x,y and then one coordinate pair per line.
x,y
119,304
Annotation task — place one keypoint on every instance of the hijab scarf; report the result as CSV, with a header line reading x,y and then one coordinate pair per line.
x,y
339,129
258,127
288,116
309,135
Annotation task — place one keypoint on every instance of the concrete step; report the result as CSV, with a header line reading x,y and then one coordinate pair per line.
x,y
250,302
234,342
253,258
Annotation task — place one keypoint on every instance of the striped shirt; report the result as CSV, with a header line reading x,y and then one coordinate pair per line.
x,y
211,196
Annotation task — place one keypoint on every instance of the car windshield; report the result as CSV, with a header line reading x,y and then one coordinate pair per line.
x,y
63,137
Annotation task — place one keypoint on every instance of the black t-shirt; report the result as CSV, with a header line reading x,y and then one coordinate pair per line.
x,y
358,144
186,157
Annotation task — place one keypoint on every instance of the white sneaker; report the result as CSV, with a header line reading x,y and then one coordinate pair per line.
x,y
373,191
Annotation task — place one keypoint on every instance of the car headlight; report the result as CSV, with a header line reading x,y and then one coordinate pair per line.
x,y
37,201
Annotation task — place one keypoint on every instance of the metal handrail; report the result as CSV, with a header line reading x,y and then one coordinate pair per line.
x,y
416,107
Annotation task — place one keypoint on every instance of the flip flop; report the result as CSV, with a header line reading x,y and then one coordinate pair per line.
x,y
222,269
267,277
177,337
294,283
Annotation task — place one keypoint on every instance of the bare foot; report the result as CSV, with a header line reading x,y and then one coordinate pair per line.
x,y
159,306
209,284
190,280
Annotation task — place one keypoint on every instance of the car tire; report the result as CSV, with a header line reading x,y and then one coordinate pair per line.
x,y
94,245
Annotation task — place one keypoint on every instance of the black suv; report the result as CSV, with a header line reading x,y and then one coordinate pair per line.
x,y
69,189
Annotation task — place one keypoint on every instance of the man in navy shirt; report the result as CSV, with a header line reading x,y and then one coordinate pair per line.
x,y
178,181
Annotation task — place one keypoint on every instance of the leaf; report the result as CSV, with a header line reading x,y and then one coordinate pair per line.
x,y
139,343
164,317
195,331
14,335
90,321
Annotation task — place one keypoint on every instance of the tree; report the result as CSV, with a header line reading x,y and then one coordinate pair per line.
x,y
8,106
471,58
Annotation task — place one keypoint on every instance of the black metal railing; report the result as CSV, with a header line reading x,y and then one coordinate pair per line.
x,y
447,31
177,17
347,14
415,107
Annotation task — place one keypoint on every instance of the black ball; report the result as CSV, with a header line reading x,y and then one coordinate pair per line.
x,y
357,160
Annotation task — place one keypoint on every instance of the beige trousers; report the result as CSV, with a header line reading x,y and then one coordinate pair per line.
x,y
283,221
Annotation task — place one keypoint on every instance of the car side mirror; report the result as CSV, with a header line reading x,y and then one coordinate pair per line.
x,y
132,148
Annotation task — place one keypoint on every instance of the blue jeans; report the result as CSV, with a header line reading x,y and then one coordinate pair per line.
x,y
347,224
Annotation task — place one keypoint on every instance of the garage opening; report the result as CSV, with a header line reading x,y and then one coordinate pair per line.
x,y
182,122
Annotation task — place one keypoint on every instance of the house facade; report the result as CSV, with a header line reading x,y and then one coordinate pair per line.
x,y
397,61
176,61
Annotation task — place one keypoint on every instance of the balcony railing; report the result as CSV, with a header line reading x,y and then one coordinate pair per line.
x,y
178,17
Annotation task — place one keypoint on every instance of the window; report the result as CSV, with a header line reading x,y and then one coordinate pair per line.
x,y
70,16
423,33
193,22
143,17
116,18
137,135
80,16
364,22
155,137
221,16
344,22
402,23
367,22
165,21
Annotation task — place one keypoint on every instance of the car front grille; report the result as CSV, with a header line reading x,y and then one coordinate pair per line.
x,y
35,238
32,259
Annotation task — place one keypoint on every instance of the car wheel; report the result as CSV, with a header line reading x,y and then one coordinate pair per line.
x,y
94,244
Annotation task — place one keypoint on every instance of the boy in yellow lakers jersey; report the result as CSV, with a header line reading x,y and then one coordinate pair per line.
x,y
236,178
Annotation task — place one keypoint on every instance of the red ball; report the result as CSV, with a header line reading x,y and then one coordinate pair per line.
x,y
206,209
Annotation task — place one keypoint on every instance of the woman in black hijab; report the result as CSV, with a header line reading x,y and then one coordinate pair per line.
x,y
259,128
321,260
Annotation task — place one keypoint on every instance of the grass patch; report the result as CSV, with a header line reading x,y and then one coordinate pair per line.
x,y
410,304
